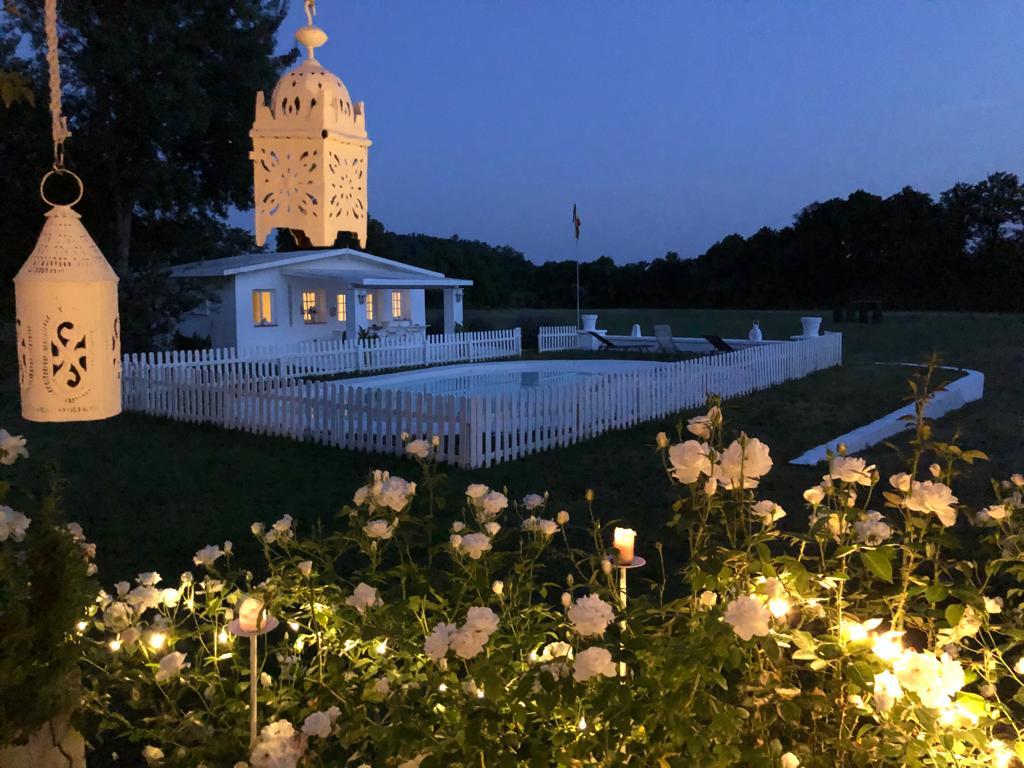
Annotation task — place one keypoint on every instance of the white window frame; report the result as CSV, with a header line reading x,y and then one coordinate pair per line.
x,y
396,305
341,307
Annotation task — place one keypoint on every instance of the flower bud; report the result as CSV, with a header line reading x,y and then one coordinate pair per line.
x,y
662,439
566,599
606,566
935,470
562,518
498,587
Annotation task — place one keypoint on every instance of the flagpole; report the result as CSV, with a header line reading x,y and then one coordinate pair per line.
x,y
577,283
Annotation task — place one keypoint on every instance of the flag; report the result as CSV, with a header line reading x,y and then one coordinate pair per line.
x,y
576,221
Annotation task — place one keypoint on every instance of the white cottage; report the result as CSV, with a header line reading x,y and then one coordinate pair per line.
x,y
332,293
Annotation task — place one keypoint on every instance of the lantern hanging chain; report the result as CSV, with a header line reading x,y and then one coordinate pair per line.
x,y
58,123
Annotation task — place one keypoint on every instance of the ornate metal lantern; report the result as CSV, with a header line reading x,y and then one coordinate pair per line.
x,y
69,345
310,152
68,331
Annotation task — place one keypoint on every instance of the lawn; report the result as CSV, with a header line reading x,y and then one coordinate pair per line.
x,y
151,492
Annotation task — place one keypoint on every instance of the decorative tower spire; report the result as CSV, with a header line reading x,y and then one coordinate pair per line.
x,y
310,152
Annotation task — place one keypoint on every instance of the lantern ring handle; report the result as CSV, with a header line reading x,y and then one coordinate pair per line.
x,y
61,172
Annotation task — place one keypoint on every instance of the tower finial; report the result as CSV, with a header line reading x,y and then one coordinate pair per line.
x,y
310,36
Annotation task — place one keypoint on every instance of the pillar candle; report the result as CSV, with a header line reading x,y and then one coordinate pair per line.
x,y
251,615
623,542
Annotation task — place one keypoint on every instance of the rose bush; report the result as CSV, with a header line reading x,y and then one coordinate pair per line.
x,y
887,631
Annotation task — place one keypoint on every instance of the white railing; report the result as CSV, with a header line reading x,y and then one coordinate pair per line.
x,y
557,338
474,430
327,357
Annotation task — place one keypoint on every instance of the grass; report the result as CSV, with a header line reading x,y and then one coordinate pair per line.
x,y
151,492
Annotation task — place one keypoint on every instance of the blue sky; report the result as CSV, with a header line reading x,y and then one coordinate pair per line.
x,y
671,124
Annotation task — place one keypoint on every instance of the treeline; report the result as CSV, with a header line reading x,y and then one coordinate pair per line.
x,y
963,251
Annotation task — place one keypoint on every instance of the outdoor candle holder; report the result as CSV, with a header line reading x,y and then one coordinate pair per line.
x,y
266,623
635,562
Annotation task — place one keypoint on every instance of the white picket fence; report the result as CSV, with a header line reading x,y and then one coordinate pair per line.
x,y
328,357
474,430
557,338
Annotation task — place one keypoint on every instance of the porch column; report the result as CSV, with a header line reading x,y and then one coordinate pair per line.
x,y
452,309
357,313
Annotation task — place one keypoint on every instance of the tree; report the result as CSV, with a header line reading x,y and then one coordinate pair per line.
x,y
159,98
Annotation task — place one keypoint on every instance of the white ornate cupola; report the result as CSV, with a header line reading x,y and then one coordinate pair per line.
x,y
309,152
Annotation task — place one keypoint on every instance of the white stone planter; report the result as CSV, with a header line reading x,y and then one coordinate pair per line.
x,y
811,325
589,322
55,745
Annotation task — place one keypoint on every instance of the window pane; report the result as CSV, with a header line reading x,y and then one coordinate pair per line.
x,y
369,306
342,309
396,303
309,308
262,307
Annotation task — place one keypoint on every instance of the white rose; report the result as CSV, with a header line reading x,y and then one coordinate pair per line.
x,y
901,481
379,529
476,491
152,755
149,578
768,512
170,666
498,587
748,617
481,619
363,597
455,540
995,512
699,426
492,528
886,690
562,518
207,556
933,497
320,723
872,529
994,604
1017,479
475,544
395,493
458,526
493,503
13,524
789,760
851,469
467,644
11,447
418,448
306,568
708,599
590,616
436,644
689,461
743,463
814,495
592,662
533,501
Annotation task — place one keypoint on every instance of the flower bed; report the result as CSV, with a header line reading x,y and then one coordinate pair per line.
x,y
889,633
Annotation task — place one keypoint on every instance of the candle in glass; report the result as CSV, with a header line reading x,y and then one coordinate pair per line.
x,y
251,615
623,541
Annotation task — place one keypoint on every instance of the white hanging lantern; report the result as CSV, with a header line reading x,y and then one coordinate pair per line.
x,y
68,331
310,152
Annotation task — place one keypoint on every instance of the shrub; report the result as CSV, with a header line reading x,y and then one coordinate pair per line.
x,y
887,633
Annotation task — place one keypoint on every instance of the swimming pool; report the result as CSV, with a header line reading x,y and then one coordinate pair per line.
x,y
496,378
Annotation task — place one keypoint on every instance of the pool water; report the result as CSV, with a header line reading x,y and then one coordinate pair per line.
x,y
495,378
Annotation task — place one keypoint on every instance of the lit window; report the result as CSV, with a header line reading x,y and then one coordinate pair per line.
x,y
342,308
312,307
262,307
396,304
369,306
